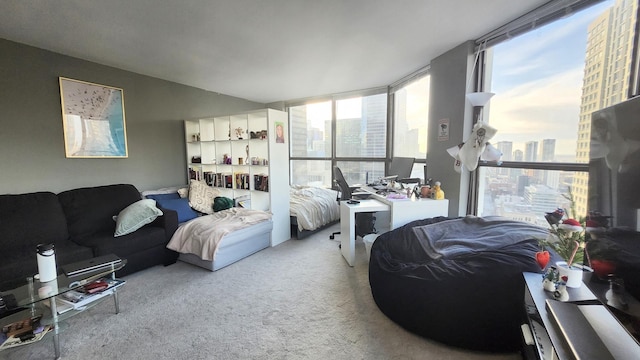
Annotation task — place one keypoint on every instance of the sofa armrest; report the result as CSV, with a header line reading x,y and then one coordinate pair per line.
x,y
168,221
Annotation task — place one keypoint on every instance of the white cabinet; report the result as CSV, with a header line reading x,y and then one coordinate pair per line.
x,y
239,155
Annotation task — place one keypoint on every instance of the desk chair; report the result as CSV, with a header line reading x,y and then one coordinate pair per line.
x,y
346,192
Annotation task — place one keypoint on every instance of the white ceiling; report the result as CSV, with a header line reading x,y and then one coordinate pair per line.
x,y
261,50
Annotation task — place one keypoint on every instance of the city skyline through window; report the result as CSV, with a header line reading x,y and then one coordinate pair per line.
x,y
548,82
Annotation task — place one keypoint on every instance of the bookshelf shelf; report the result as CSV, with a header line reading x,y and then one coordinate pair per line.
x,y
241,157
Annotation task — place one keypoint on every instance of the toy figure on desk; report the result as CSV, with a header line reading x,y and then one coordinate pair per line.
x,y
561,293
549,279
437,193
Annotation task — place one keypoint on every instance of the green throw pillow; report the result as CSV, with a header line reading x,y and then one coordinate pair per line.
x,y
222,203
135,216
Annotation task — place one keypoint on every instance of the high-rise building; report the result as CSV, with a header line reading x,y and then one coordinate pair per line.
x,y
606,79
531,151
548,151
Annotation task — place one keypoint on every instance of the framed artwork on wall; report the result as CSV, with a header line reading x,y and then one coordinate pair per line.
x,y
93,120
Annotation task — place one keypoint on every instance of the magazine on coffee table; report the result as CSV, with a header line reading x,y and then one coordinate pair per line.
x,y
86,294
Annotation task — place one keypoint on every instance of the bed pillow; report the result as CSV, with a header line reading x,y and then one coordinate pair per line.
x,y
201,196
181,206
135,216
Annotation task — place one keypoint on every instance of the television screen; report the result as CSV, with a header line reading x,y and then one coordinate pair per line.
x,y
614,191
614,167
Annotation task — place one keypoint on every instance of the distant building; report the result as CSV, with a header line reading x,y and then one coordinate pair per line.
x,y
531,151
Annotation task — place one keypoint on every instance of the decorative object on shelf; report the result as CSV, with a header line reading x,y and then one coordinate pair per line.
x,y
425,191
263,134
93,120
196,159
247,158
467,153
437,192
542,258
572,274
550,279
561,293
239,131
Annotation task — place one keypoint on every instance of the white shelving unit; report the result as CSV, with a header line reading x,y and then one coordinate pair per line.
x,y
239,155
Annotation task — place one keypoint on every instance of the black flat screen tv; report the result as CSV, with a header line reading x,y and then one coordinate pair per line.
x,y
614,185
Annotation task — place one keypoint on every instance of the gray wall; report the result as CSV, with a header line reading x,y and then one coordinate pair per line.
x,y
32,155
447,100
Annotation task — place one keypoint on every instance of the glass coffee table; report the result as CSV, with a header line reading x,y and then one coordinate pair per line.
x,y
38,299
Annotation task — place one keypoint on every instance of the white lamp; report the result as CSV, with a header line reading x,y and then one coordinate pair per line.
x,y
479,98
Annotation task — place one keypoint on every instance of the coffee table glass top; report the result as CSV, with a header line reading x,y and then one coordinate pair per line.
x,y
31,293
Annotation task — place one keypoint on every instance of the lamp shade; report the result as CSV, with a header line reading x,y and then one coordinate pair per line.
x,y
479,98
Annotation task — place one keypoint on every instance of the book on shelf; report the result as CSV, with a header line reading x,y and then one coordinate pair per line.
x,y
87,294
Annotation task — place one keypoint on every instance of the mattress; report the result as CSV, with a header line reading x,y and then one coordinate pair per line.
x,y
313,207
235,246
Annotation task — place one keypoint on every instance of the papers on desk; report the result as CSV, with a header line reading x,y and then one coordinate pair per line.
x,y
397,196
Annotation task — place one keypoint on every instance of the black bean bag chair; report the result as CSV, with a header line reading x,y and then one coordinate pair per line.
x,y
467,299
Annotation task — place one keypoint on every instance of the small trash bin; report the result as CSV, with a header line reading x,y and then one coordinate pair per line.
x,y
368,242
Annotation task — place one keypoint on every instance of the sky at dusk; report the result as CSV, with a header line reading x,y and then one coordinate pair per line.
x,y
537,78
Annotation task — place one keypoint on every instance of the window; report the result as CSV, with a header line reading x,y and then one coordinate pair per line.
x,y
360,141
547,84
410,119
361,127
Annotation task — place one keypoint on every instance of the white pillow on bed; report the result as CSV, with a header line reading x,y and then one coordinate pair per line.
x,y
201,196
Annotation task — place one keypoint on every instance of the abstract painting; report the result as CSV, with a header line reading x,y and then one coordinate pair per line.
x,y
93,120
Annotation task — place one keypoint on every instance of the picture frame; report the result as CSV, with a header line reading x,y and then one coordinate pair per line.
x,y
93,120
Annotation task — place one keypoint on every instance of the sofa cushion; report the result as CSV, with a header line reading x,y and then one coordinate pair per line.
x,y
90,210
181,206
145,238
27,220
201,196
135,216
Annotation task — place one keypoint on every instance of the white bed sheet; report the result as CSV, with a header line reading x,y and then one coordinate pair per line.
x,y
313,206
202,236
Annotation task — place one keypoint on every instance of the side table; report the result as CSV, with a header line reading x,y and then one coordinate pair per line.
x,y
568,330
34,294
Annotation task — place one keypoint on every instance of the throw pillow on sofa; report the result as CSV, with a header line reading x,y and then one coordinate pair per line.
x,y
135,216
201,196
181,206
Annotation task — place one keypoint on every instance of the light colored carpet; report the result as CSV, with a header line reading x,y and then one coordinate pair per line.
x,y
298,300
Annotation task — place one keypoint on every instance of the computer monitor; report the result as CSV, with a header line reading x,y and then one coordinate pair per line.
x,y
401,166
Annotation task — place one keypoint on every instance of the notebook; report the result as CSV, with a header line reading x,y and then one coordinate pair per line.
x,y
84,266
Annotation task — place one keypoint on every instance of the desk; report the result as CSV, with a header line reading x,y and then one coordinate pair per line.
x,y
407,210
400,213
348,224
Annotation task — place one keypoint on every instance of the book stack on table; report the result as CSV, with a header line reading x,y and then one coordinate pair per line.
x,y
78,298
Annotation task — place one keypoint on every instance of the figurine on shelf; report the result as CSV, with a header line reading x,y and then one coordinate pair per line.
x,y
437,192
246,161
561,293
239,133
549,279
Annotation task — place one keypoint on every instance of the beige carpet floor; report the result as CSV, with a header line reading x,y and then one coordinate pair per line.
x,y
298,300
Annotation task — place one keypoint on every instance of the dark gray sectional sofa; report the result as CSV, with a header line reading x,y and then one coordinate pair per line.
x,y
80,224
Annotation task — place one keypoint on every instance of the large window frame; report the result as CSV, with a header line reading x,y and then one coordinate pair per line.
x,y
371,166
527,23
